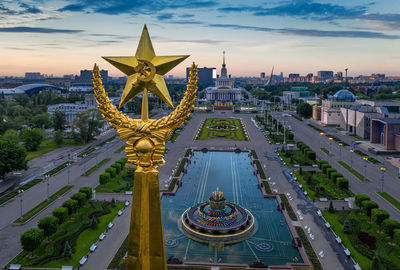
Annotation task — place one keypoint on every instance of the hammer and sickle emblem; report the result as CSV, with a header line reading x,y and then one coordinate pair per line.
x,y
146,70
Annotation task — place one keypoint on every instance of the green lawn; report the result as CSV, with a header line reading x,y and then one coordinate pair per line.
x,y
362,253
40,152
94,168
328,189
233,129
292,157
358,175
390,199
28,215
118,184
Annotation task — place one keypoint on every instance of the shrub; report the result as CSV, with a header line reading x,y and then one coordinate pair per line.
x,y
389,225
80,198
67,253
88,192
117,167
329,171
49,225
396,235
31,239
367,206
299,144
342,183
61,213
104,178
331,209
379,215
335,176
71,205
112,171
347,227
321,162
359,198
325,167
290,136
311,155
376,264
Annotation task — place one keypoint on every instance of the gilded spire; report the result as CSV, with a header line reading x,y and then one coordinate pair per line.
x,y
223,61
218,195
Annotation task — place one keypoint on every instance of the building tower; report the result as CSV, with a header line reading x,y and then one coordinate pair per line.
x,y
224,72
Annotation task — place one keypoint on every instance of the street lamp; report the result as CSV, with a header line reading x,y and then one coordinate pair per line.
x,y
321,142
383,169
351,158
365,167
20,200
69,172
340,149
46,179
330,144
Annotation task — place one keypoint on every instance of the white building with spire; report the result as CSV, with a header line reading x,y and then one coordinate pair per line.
x,y
224,89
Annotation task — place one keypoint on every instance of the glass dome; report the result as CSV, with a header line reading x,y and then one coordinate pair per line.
x,y
344,95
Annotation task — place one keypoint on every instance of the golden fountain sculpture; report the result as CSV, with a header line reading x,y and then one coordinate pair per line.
x,y
145,143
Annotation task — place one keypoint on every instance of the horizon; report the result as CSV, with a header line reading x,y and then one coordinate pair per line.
x,y
64,37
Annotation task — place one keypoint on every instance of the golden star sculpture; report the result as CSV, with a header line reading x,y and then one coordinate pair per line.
x,y
145,70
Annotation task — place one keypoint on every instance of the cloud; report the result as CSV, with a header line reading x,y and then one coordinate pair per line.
x,y
29,9
189,22
24,29
116,7
165,16
200,41
309,32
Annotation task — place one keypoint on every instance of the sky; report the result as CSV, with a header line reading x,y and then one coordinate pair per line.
x,y
301,36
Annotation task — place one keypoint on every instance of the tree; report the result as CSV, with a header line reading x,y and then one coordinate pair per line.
x,y
346,227
58,137
304,110
67,253
80,198
41,120
71,205
94,224
376,264
31,239
49,225
12,158
379,215
389,225
396,235
113,203
61,213
331,209
367,206
112,171
359,198
88,123
31,138
59,120
342,183
11,135
87,191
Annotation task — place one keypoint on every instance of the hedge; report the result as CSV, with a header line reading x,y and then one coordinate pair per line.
x,y
88,192
379,215
112,171
389,225
325,167
117,167
80,198
322,162
335,175
361,197
71,205
329,171
311,155
61,213
367,206
396,235
342,183
104,178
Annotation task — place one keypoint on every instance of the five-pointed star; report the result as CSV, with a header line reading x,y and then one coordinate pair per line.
x,y
145,70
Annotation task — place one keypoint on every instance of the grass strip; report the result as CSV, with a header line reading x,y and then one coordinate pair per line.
x,y
326,151
118,261
260,169
106,141
288,207
40,152
315,128
174,136
187,153
119,150
91,170
370,159
254,154
87,152
59,168
354,172
312,256
28,215
180,167
12,194
390,199
267,187
296,117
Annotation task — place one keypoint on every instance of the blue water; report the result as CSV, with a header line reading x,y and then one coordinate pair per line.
x,y
233,174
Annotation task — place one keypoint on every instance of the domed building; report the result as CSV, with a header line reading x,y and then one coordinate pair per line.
x,y
330,109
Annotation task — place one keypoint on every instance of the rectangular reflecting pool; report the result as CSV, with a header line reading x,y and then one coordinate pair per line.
x,y
234,175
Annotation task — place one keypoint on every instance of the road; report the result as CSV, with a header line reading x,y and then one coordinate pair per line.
x,y
302,132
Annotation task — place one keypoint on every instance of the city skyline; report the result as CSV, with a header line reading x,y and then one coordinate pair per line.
x,y
63,37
